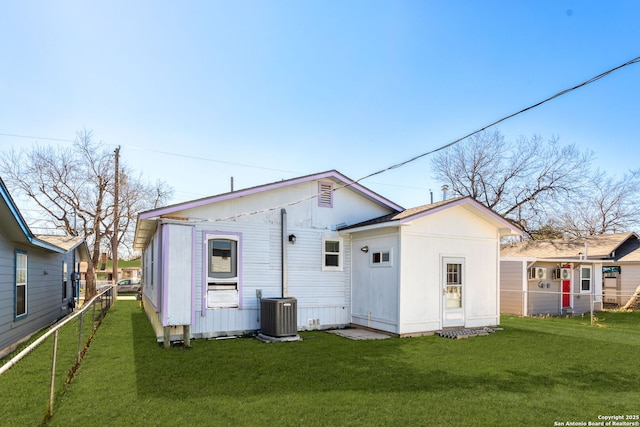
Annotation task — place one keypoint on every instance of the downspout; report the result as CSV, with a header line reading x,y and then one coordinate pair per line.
x,y
283,249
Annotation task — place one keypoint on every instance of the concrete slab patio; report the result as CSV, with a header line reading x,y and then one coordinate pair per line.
x,y
457,333
359,334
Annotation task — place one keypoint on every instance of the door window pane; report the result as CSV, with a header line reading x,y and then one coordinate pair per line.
x,y
454,286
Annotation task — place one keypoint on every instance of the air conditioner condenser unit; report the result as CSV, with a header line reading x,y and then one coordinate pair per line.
x,y
537,273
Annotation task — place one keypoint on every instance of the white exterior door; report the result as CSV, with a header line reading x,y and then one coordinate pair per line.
x,y
453,283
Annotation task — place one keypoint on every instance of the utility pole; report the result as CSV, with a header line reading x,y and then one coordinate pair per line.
x,y
116,220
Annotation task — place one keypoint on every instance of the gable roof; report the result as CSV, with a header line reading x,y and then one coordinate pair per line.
x,y
15,227
68,243
395,219
630,252
593,247
147,219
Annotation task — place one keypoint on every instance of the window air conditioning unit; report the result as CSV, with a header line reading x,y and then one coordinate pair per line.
x,y
562,274
279,317
537,273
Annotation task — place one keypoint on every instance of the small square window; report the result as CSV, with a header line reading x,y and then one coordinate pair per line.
x,y
381,258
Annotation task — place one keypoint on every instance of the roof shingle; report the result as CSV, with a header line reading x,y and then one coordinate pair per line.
x,y
600,246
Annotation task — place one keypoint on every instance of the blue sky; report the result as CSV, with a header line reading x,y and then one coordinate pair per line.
x,y
198,91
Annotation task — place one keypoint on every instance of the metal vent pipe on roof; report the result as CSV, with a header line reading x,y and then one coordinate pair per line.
x,y
444,189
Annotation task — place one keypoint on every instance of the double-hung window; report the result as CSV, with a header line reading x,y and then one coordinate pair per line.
x,y
332,254
21,284
585,279
65,274
222,271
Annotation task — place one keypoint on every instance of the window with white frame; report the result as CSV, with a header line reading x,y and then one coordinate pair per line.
x,y
21,284
332,254
152,263
65,274
325,194
222,271
585,279
381,258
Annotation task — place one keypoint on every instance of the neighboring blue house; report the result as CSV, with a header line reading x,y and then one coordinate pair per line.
x,y
35,276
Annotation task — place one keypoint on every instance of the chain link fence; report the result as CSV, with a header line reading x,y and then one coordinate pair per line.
x,y
558,302
38,372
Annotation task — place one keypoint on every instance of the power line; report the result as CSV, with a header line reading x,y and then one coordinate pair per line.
x,y
36,137
397,165
591,80
166,153
187,156
419,156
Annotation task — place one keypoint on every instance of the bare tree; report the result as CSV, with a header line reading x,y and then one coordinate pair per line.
x,y
605,205
136,195
74,187
523,180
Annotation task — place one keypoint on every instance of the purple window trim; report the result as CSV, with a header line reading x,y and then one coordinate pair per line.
x,y
193,275
320,193
206,234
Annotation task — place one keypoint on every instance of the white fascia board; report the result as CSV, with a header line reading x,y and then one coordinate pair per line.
x,y
518,259
373,227
560,260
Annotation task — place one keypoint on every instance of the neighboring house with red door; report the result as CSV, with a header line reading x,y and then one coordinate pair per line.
x,y
347,255
567,276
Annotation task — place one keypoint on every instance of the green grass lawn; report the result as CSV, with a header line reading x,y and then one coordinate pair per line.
x,y
534,372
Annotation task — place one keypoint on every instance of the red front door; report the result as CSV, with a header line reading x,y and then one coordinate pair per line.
x,y
566,291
